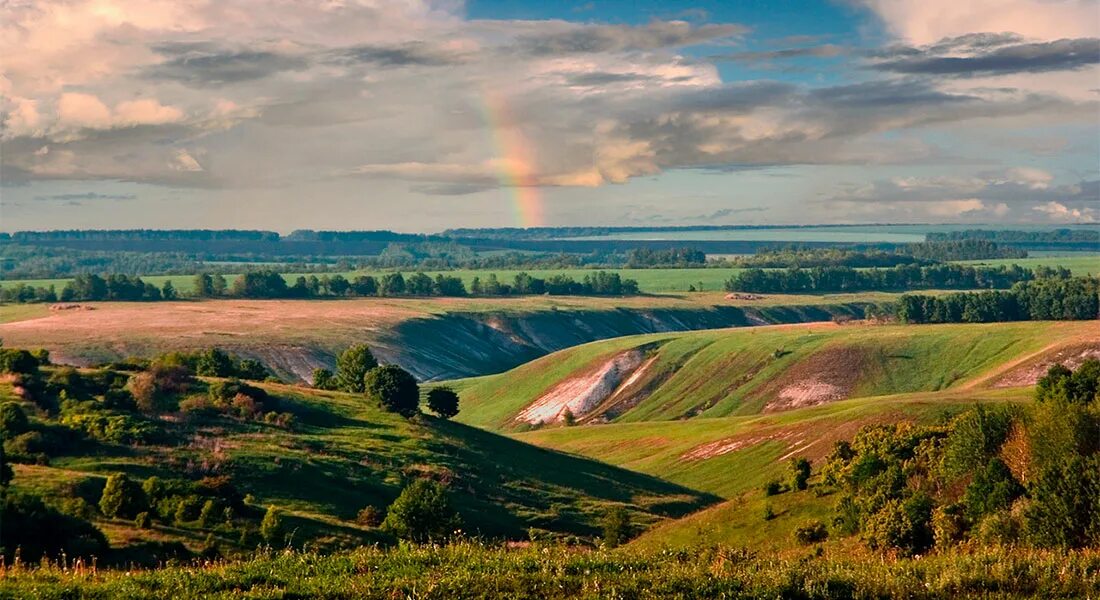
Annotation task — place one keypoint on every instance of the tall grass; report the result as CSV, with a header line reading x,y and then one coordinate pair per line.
x,y
470,570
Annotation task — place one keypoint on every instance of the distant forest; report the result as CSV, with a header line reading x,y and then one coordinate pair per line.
x,y
62,254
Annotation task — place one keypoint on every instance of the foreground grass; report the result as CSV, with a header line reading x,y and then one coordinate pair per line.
x,y
474,571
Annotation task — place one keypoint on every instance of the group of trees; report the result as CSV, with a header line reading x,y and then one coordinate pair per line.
x,y
1076,298
923,253
393,388
903,277
1002,475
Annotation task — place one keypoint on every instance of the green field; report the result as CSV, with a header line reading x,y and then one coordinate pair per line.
x,y
747,371
653,281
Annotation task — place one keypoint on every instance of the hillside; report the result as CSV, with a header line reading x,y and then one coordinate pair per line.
x,y
434,338
340,455
765,370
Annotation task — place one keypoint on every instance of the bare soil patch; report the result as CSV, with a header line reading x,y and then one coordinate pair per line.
x,y
825,376
1030,371
583,393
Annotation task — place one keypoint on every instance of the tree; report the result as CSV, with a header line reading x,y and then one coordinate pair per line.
x,y
168,291
122,497
271,528
215,363
422,513
204,285
394,388
800,473
443,401
323,379
617,527
13,421
352,366
37,530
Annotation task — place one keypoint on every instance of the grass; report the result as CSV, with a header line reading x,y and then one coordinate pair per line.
x,y
731,455
748,370
1080,264
474,571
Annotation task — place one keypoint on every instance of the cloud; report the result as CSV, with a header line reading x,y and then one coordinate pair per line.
x,y
926,21
1000,59
1056,211
85,196
207,65
409,54
822,51
561,38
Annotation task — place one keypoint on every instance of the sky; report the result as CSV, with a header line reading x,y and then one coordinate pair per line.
x,y
421,115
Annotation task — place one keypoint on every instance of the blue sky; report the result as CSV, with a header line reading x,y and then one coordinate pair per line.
x,y
418,115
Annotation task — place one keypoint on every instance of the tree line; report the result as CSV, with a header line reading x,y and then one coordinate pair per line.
x,y
1077,298
270,284
797,280
1063,236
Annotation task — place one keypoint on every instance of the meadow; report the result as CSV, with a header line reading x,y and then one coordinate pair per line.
x,y
471,570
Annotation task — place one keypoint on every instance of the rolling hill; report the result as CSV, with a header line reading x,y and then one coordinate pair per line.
x,y
762,370
343,454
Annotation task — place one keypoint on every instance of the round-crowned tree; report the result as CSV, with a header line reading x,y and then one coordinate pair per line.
x,y
394,388
443,401
351,366
422,513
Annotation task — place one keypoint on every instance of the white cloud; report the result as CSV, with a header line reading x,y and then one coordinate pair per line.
x,y
928,21
1056,211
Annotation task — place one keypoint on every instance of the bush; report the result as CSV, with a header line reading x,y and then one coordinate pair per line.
x,y
800,473
617,528
142,520
323,379
369,516
122,497
443,401
811,533
13,421
772,488
394,388
422,513
271,528
37,531
769,512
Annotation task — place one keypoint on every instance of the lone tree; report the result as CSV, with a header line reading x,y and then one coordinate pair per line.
x,y
122,497
351,366
422,513
443,401
394,388
800,473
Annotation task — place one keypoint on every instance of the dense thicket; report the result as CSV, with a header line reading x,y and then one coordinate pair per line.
x,y
903,277
1076,298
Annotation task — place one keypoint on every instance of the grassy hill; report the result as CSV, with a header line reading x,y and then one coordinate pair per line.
x,y
343,454
750,371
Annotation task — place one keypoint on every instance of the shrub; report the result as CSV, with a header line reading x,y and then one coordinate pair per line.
x,y
800,473
772,488
443,401
769,512
210,512
811,532
37,530
323,379
142,520
394,388
13,421
271,528
617,527
369,516
422,513
122,497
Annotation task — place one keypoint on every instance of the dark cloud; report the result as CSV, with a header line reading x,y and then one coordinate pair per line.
x,y
737,97
85,196
823,51
412,54
885,95
203,64
589,39
602,78
450,189
989,56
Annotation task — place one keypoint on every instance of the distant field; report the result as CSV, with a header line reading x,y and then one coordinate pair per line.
x,y
653,281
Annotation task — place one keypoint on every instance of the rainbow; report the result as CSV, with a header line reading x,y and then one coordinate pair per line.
x,y
514,161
